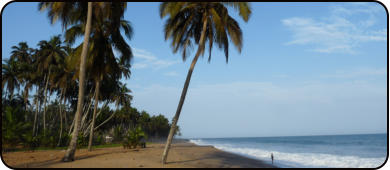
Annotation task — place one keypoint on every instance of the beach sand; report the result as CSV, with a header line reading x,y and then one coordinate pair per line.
x,y
186,155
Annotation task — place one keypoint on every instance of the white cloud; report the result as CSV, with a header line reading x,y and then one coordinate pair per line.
x,y
145,59
343,31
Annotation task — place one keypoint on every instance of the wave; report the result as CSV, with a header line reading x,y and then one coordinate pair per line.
x,y
284,159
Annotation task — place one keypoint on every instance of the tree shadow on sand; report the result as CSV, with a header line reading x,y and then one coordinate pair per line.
x,y
80,157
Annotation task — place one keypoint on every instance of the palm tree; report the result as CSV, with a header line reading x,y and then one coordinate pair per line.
x,y
23,55
50,55
200,22
62,79
102,61
67,11
10,77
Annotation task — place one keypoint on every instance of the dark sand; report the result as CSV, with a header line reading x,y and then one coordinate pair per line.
x,y
181,155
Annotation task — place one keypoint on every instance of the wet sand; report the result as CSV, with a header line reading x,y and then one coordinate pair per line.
x,y
181,155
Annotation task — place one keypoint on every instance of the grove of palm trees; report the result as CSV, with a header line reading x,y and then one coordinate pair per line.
x,y
68,93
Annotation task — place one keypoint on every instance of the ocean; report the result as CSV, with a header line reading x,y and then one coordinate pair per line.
x,y
351,151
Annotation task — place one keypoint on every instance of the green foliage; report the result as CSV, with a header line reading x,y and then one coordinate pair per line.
x,y
49,140
187,21
82,141
13,127
118,133
32,142
99,139
134,137
65,138
17,130
50,69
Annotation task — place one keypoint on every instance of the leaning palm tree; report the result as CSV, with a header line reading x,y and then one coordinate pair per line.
x,y
61,80
105,63
105,38
51,54
199,23
67,12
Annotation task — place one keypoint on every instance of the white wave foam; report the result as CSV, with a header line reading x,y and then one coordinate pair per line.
x,y
300,159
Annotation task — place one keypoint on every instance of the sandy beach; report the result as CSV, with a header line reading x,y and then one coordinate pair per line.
x,y
182,155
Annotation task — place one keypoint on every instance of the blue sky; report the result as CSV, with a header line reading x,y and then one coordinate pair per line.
x,y
305,69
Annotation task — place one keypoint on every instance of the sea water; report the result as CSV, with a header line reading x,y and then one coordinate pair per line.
x,y
352,151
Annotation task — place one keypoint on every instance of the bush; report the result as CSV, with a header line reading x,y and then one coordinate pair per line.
x,y
14,130
118,134
65,138
82,141
49,141
134,137
99,139
31,142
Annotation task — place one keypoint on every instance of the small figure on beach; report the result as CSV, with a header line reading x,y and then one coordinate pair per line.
x,y
272,158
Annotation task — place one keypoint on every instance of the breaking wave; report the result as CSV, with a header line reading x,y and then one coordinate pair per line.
x,y
284,159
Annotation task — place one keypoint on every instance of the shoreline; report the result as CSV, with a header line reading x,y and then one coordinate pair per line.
x,y
268,165
183,154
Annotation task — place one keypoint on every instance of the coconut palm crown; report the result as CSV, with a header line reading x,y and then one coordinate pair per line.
x,y
185,19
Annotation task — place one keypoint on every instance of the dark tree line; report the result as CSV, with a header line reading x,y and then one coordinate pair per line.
x,y
39,98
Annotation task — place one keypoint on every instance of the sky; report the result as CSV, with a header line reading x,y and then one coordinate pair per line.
x,y
306,68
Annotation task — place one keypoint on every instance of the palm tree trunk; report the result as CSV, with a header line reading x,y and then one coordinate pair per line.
x,y
5,94
59,140
70,152
26,99
184,92
86,111
71,126
44,104
39,111
94,114
90,123
105,120
64,109
35,118
36,112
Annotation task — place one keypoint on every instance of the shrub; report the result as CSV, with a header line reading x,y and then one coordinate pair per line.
x,y
134,137
82,141
118,134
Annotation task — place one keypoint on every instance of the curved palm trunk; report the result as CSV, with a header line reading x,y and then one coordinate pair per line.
x,y
44,104
35,117
90,123
184,92
36,112
69,155
106,120
61,108
39,112
6,93
94,115
86,111
64,109
26,99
